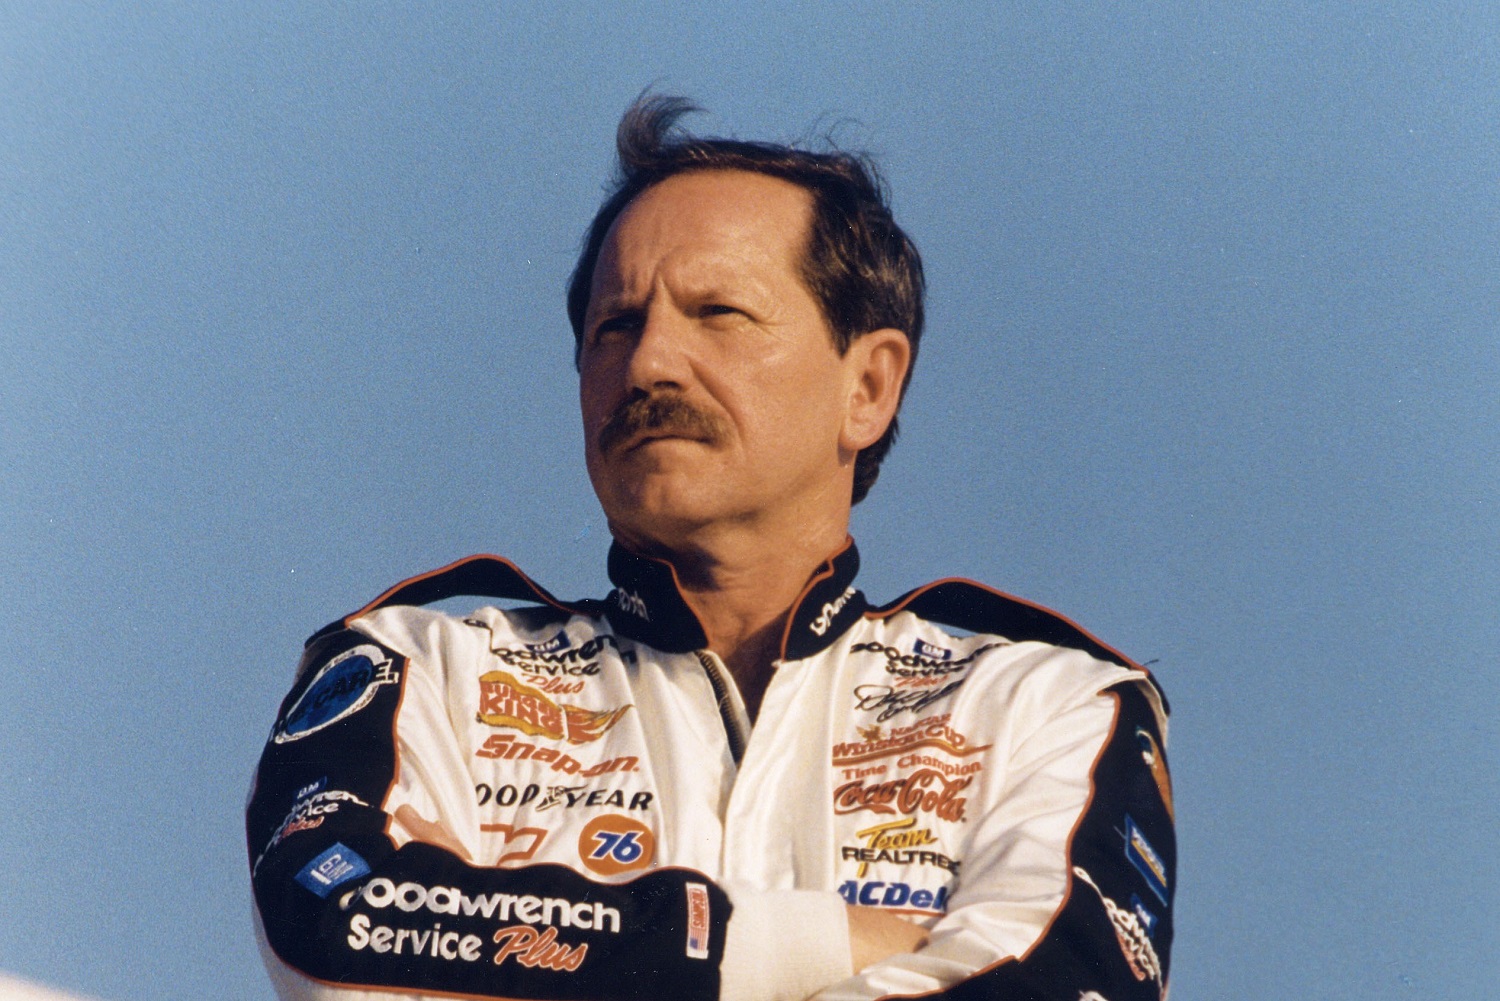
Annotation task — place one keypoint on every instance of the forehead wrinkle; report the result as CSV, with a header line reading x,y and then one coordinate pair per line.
x,y
703,247
685,274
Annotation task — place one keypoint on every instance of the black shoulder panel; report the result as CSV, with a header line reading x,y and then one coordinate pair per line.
x,y
482,576
1112,936
344,905
977,608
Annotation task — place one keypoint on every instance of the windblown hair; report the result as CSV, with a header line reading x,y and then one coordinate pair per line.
x,y
862,269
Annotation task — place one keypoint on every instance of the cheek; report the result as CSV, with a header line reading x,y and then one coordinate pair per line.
x,y
593,402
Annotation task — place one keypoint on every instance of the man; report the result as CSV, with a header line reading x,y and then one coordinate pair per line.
x,y
734,777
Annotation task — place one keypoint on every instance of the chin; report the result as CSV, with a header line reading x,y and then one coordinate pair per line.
x,y
664,513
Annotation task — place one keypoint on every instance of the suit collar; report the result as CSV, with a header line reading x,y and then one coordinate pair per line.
x,y
647,604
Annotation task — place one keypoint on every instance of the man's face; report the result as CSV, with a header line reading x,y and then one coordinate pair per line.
x,y
711,390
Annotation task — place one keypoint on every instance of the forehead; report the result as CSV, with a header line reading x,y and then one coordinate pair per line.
x,y
704,226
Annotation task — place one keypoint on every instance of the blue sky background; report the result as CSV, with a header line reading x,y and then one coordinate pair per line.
x,y
1212,366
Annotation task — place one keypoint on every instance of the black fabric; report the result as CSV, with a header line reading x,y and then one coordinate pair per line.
x,y
323,778
1124,957
647,604
480,576
971,606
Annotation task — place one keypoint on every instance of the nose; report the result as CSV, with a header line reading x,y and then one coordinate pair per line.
x,y
659,357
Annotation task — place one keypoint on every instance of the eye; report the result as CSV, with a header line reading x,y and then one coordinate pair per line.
x,y
626,324
721,312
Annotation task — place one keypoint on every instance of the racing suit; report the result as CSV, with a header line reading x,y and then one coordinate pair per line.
x,y
567,800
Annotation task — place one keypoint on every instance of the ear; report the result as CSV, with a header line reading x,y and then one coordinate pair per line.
x,y
876,365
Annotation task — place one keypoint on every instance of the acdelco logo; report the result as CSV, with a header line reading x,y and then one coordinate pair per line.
x,y
874,893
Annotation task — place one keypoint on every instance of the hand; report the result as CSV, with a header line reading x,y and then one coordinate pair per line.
x,y
875,935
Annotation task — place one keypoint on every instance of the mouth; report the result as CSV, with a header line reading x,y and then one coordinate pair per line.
x,y
651,437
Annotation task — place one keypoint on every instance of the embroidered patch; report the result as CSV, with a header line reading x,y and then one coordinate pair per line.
x,y
342,687
1141,855
332,868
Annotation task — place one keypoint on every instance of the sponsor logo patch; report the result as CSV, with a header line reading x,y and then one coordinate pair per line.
x,y
612,844
555,660
342,687
631,603
923,791
538,949
506,701
931,733
520,942
550,797
874,893
1135,944
1141,911
932,651
527,839
312,805
897,842
556,643
332,868
830,611
1149,864
925,661
1157,762
506,746
698,923
432,943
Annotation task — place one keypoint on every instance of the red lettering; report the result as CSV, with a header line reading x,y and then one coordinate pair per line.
x,y
910,795
533,950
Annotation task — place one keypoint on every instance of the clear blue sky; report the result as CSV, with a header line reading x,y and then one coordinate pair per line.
x,y
1212,366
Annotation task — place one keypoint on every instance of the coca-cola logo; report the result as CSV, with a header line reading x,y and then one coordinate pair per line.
x,y
923,791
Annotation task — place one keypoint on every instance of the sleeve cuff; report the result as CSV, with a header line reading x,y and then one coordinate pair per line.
x,y
784,945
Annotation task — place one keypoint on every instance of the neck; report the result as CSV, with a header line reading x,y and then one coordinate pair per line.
x,y
742,588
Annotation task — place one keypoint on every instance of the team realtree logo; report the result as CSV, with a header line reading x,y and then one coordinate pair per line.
x,y
899,842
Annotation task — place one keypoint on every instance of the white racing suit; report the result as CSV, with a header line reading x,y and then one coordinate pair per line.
x,y
567,800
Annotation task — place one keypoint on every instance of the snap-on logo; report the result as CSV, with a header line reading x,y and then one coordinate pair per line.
x,y
830,611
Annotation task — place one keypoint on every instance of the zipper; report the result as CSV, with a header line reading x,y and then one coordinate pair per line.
x,y
725,702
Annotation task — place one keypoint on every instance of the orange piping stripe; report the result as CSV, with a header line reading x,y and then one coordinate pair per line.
x,y
827,571
453,566
1067,857
1009,597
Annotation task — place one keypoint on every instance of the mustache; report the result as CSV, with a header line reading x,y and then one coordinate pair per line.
x,y
668,414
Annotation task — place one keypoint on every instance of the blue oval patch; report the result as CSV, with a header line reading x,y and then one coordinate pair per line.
x,y
343,686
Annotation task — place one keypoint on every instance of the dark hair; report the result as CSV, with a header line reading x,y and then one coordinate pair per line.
x,y
862,269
